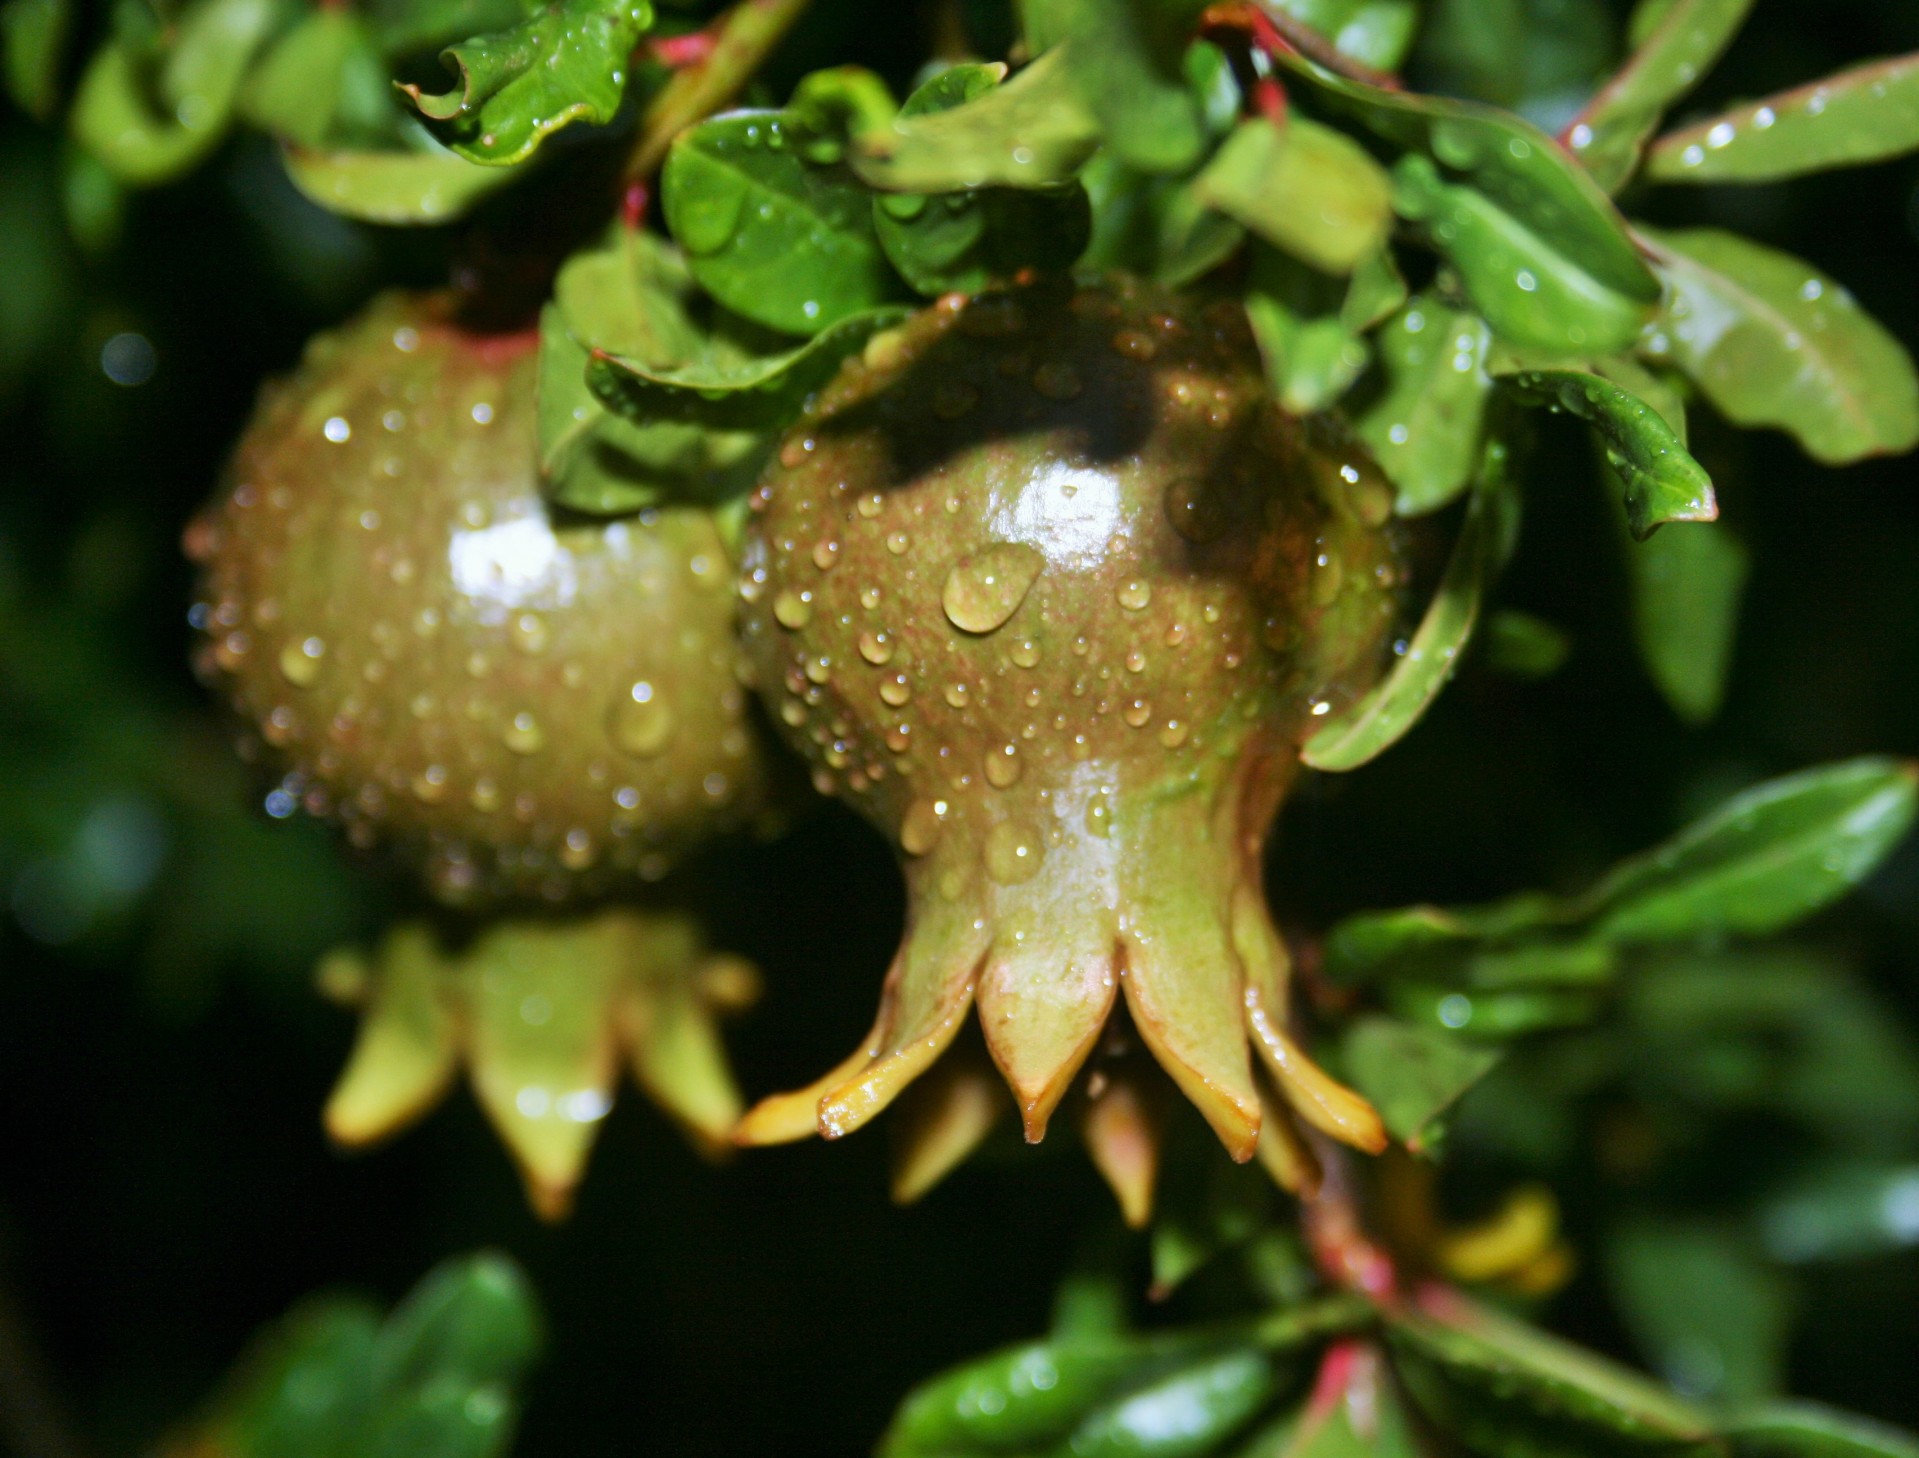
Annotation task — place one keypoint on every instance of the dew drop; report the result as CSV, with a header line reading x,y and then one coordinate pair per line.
x,y
920,827
1099,815
986,588
643,723
300,661
1175,733
1013,853
523,734
896,690
1003,766
876,648
1134,595
792,609
1025,653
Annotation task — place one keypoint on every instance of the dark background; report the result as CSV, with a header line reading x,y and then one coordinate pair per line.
x,y
164,1187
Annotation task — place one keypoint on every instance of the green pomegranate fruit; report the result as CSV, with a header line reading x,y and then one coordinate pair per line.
x,y
517,703
1049,589
521,706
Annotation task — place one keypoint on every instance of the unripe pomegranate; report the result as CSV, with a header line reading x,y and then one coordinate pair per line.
x,y
515,702
519,702
1050,590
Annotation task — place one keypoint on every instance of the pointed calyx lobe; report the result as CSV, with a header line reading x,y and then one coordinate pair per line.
x,y
1048,588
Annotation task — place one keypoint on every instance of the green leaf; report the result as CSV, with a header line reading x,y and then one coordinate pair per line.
x,y
149,112
1703,1306
964,240
309,77
1424,427
1305,188
299,1383
734,390
1686,588
1373,724
1772,341
781,241
1124,58
1203,1208
1806,1430
1182,1415
395,187
634,299
1610,134
1497,1386
33,41
1034,131
1376,33
1018,1398
1843,1212
1525,646
1301,320
1762,860
473,1319
1663,482
1541,251
1153,226
567,61
1412,1075
1539,58
1867,114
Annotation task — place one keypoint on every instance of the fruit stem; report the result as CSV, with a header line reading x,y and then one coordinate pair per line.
x,y
740,40
1335,1232
1276,33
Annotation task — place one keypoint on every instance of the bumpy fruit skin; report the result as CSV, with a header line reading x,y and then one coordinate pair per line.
x,y
1049,589
522,705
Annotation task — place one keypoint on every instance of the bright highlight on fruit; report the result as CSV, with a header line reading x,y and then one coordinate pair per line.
x,y
1048,588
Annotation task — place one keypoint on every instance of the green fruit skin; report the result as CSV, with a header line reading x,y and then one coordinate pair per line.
x,y
1049,589
1208,578
522,705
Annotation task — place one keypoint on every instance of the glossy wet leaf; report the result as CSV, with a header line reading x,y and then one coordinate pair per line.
x,y
420,187
33,38
1662,482
1497,1385
1124,57
1686,589
1688,37
1188,1412
566,62
1376,722
1156,227
963,240
1376,33
635,299
1539,58
474,1319
1807,1430
1424,426
1541,251
1762,860
1867,114
149,111
1771,341
1033,131
1412,1074
1303,187
779,240
1704,1308
1310,346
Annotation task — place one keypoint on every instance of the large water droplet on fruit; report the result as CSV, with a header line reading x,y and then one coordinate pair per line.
x,y
1134,595
523,734
920,827
896,690
792,609
300,661
986,588
1013,853
1003,766
876,647
642,722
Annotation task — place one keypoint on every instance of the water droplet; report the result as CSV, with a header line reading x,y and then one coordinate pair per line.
x,y
793,609
1135,344
643,723
529,633
1134,595
1013,853
1003,766
1025,653
921,825
484,796
1137,713
826,552
430,784
1196,511
1135,661
986,588
956,695
1174,734
898,542
1099,815
523,734
300,661
876,648
896,690
577,850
